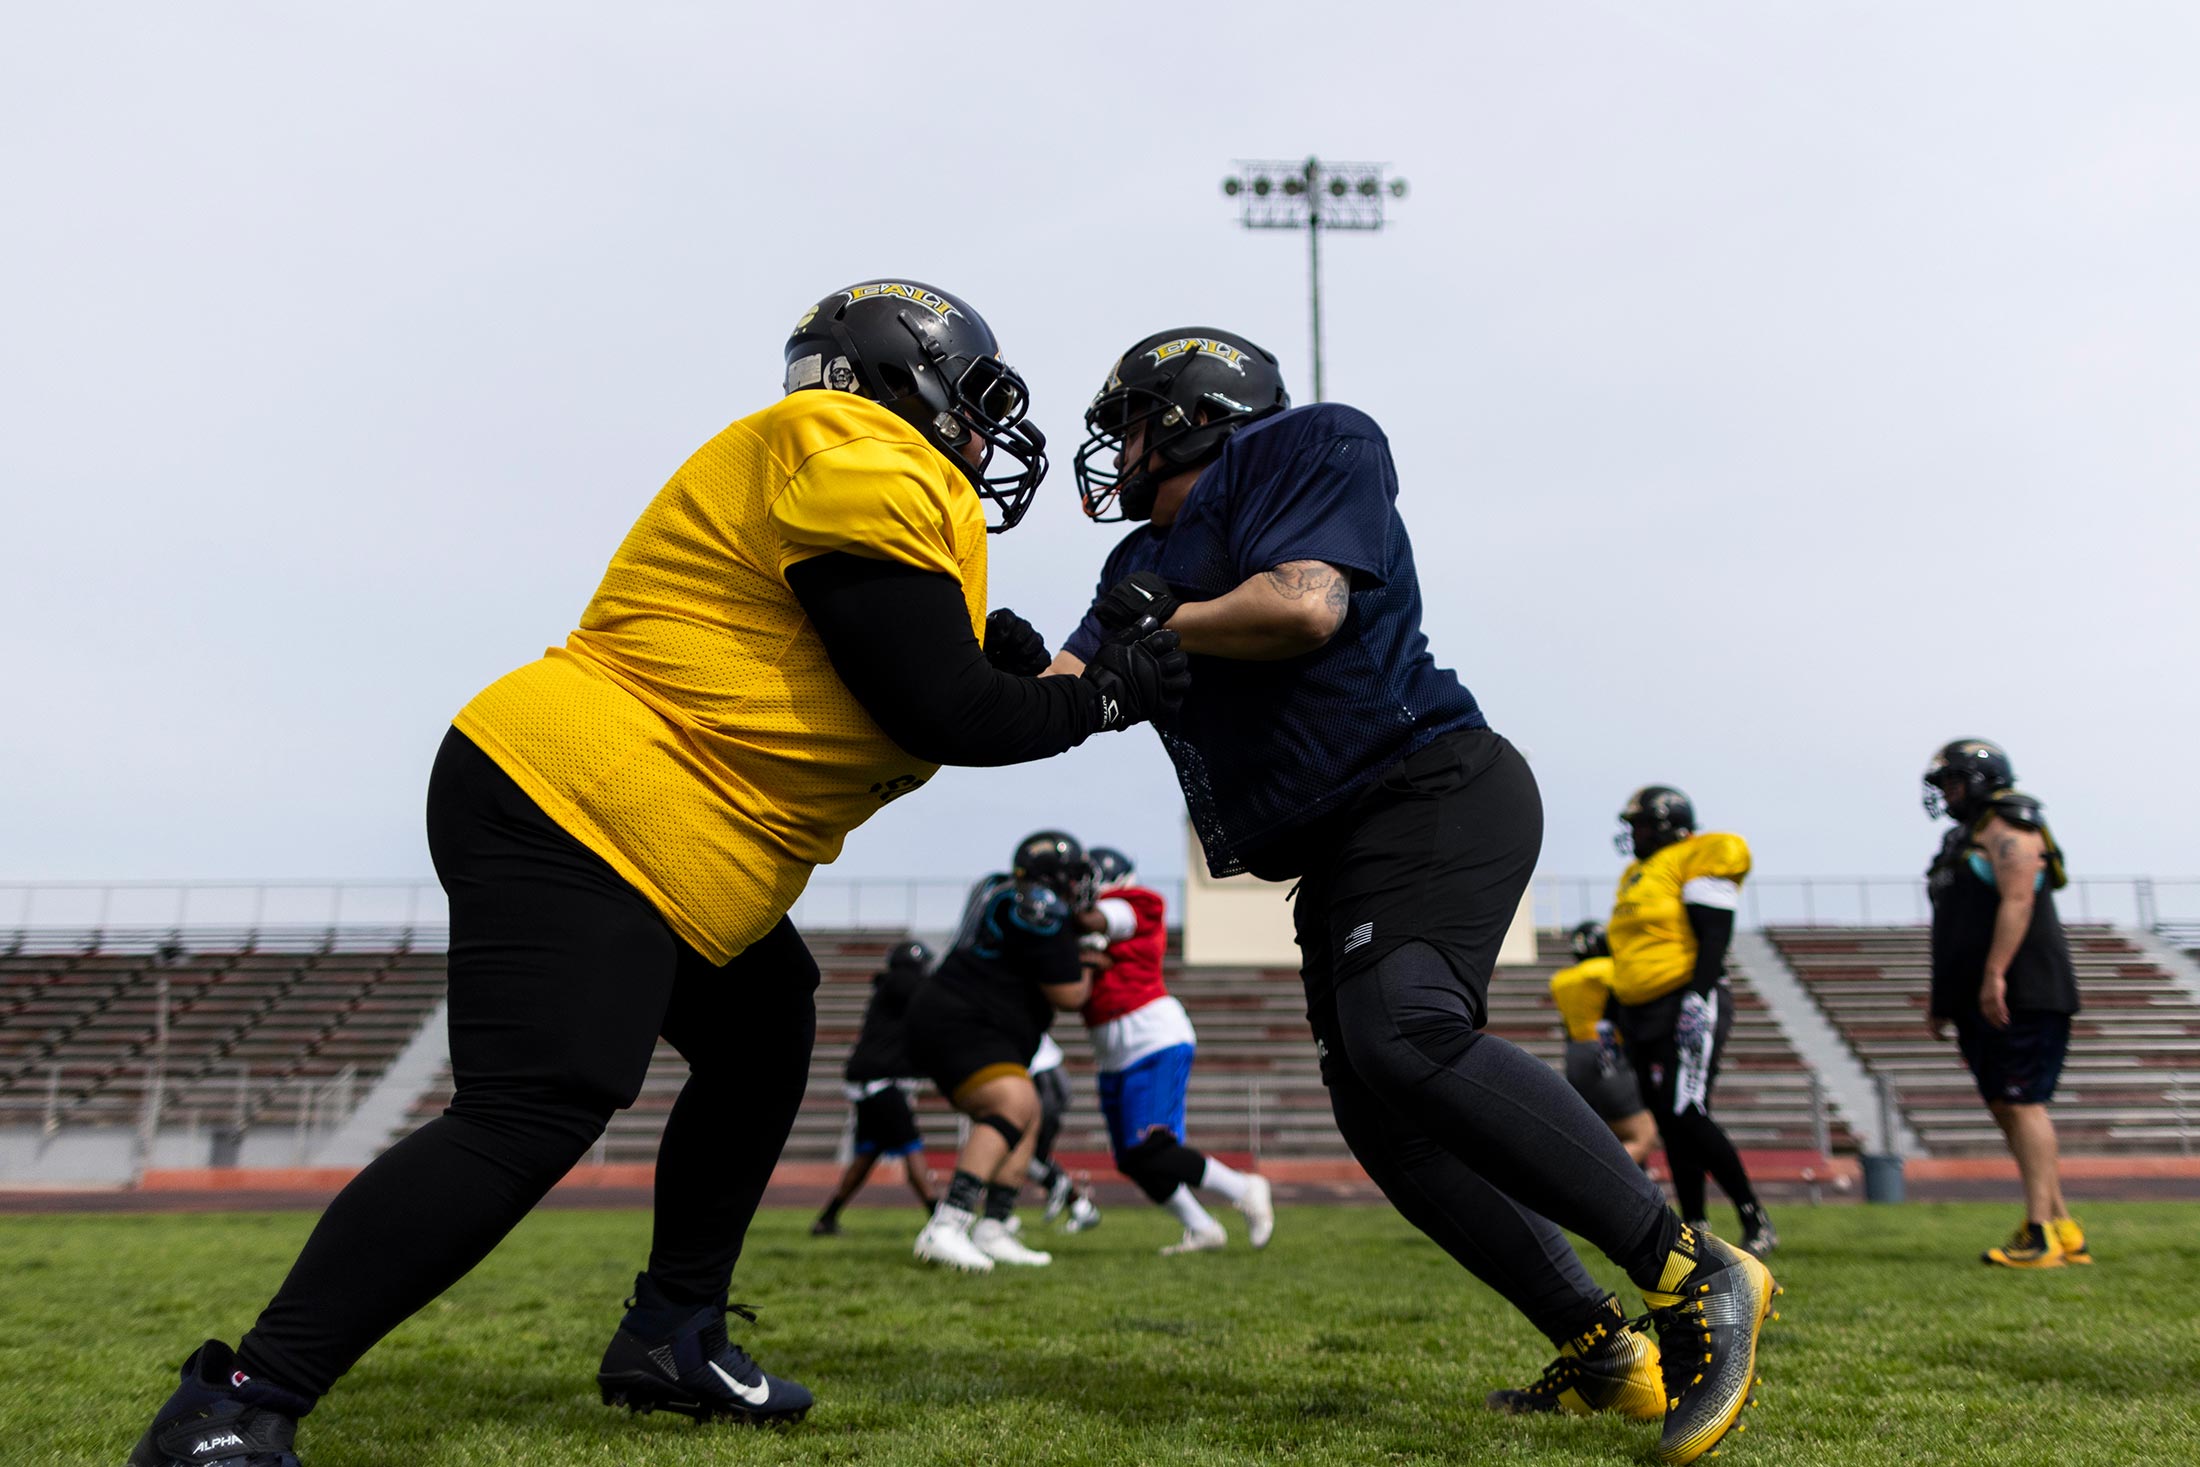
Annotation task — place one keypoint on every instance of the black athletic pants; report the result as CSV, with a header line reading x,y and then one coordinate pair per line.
x,y
1676,1074
1476,1142
562,977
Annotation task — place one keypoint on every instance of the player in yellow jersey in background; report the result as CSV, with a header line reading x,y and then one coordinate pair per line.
x,y
793,634
1671,923
1596,1064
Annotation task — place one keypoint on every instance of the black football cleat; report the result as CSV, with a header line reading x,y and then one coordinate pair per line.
x,y
222,1417
668,1358
1709,1307
1758,1234
1611,1366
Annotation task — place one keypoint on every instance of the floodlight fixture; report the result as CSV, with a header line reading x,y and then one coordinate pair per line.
x,y
1312,195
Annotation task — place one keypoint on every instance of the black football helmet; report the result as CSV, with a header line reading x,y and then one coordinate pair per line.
x,y
1053,858
928,357
1111,869
1191,388
1589,940
909,955
1963,776
1656,816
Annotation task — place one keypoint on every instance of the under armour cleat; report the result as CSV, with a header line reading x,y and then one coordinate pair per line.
x,y
946,1241
1084,1215
2072,1239
669,1358
1197,1240
222,1417
1711,1304
1758,1234
1259,1207
2030,1246
999,1243
1611,1366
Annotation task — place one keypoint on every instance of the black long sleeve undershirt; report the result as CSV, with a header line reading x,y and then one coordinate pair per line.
x,y
1714,929
900,638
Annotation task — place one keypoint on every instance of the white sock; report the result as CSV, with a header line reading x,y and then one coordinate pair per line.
x,y
1186,1209
1219,1178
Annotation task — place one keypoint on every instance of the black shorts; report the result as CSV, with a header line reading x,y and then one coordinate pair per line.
x,y
1439,851
885,1124
1676,1070
1604,1079
2018,1065
958,1047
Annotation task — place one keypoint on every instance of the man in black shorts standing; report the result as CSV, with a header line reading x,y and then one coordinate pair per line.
x,y
1321,741
2002,974
974,1028
885,1125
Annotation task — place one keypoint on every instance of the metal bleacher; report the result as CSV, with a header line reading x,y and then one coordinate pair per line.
x,y
253,1037
1256,1087
2132,1079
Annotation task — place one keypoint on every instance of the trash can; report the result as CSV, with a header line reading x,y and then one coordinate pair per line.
x,y
1882,1177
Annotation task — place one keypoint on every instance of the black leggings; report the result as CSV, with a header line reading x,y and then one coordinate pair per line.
x,y
1694,1142
1479,1144
562,977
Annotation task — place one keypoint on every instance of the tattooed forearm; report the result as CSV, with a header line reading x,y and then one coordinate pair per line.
x,y
1300,579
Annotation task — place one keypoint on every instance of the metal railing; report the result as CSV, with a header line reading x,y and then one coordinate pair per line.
x,y
290,915
295,915
2167,904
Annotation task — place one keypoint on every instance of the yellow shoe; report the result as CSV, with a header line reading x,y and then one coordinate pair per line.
x,y
1611,1366
2030,1246
2072,1238
1713,1301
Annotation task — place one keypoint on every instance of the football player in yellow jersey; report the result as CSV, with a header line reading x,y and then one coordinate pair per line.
x,y
1671,923
793,634
1596,1066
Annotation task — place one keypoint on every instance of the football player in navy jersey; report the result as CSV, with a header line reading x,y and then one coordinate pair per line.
x,y
974,1028
1321,741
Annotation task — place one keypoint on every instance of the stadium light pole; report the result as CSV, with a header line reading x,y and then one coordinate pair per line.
x,y
1313,196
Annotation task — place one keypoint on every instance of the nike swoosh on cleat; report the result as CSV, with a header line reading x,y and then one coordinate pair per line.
x,y
755,1395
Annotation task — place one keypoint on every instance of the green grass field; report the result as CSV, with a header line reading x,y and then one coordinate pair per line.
x,y
1351,1339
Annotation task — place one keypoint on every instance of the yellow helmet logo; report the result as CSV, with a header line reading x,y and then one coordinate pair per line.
x,y
1205,346
916,295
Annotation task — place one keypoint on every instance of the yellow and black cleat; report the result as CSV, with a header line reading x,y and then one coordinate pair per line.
x,y
2072,1238
1709,1308
2030,1246
1611,1366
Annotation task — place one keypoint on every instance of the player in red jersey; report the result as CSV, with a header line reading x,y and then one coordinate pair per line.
x,y
1142,1044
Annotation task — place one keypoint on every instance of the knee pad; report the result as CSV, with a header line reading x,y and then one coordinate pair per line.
x,y
1406,1018
1012,1133
1160,1164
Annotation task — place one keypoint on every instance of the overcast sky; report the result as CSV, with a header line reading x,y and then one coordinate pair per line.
x,y
1777,391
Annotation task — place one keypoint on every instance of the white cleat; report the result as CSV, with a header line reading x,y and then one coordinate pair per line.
x,y
946,1241
999,1245
1259,1208
1197,1240
1084,1215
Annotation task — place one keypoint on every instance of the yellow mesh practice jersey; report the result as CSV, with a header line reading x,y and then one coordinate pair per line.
x,y
1653,947
691,731
1580,992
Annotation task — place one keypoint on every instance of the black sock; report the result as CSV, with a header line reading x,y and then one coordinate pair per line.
x,y
832,1210
1000,1202
965,1191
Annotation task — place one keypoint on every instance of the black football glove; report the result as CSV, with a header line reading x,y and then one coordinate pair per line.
x,y
1014,645
1141,676
1138,595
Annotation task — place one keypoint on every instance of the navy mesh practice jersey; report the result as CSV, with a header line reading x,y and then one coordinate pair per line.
x,y
1262,748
